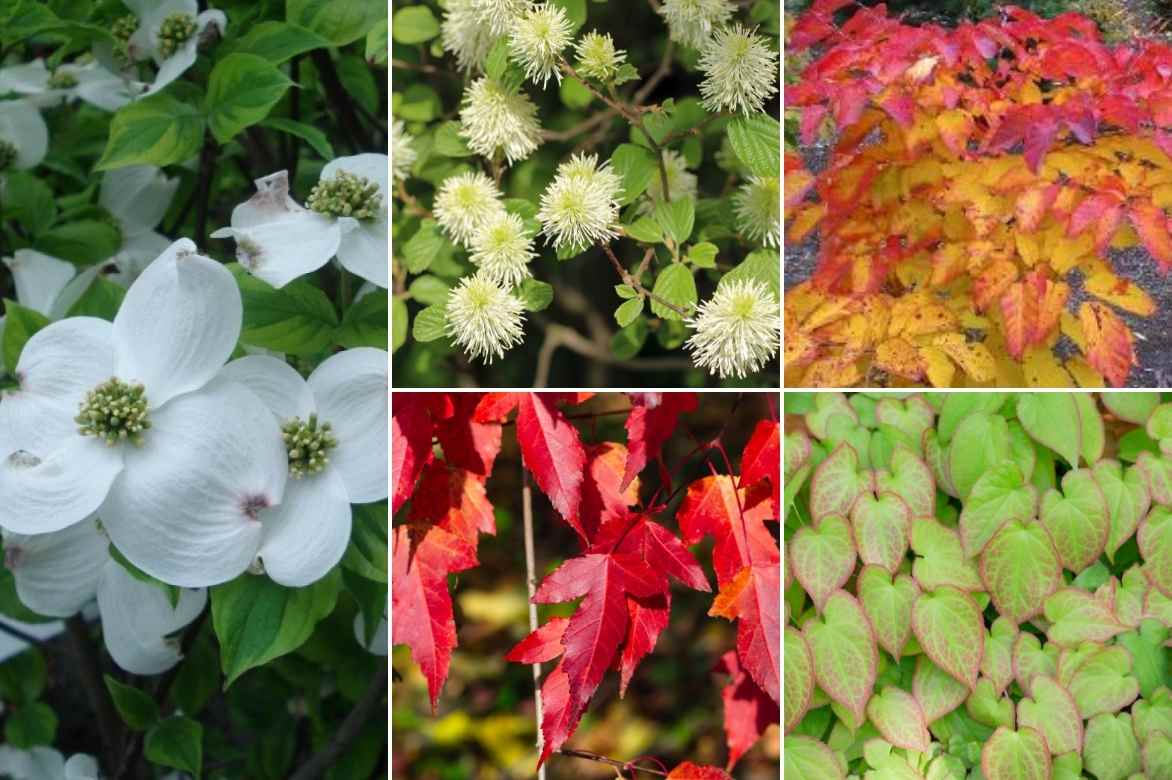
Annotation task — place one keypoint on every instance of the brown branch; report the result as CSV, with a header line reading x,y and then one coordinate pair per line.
x,y
348,732
561,336
634,282
578,129
90,673
623,766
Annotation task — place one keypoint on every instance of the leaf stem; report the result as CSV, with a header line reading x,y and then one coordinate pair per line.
x,y
625,767
633,281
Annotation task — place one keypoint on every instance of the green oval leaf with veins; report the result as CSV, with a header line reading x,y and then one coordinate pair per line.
x,y
827,407
798,677
948,626
1030,660
898,716
938,692
997,663
1077,616
157,130
1000,496
808,759
911,418
242,89
1149,658
980,443
881,528
1053,713
1077,519
1157,755
1094,438
836,484
822,557
1020,569
676,285
756,141
940,558
987,707
1154,715
636,165
909,478
1102,683
1111,751
1132,407
958,406
1155,544
1016,755
845,656
1047,418
1156,471
888,605
1127,501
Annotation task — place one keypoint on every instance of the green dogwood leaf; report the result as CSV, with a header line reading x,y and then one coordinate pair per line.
x,y
999,496
881,528
1111,751
888,604
947,623
798,677
898,716
1047,418
940,558
1016,755
1155,544
823,557
938,692
1103,682
845,656
1053,713
1020,569
908,477
1077,519
981,441
1077,616
808,759
836,484
1127,500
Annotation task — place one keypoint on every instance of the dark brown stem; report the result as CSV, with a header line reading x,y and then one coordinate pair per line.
x,y
625,767
203,193
348,732
632,281
90,673
336,94
292,155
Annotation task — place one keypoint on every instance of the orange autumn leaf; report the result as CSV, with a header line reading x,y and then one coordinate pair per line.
x,y
1030,309
1151,224
1110,344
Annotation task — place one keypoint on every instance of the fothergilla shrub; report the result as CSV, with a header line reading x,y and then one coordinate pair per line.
x,y
978,586
978,186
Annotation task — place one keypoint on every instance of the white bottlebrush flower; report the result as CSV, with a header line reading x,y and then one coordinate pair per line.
x,y
402,152
465,36
597,56
758,209
537,39
502,249
127,420
334,428
89,82
59,573
24,136
496,119
484,319
169,32
691,22
681,183
497,16
580,206
464,203
740,70
278,240
737,330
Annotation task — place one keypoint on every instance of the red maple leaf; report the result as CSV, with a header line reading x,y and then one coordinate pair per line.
x,y
752,598
652,419
712,505
552,451
453,499
543,644
748,710
410,444
467,443
603,497
762,457
690,771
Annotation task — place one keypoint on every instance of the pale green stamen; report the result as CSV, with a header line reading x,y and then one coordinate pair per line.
x,y
346,195
62,80
308,445
114,411
176,30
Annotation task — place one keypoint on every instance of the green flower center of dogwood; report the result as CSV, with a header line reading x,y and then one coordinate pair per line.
x,y
7,154
62,80
308,444
122,29
115,411
346,195
175,31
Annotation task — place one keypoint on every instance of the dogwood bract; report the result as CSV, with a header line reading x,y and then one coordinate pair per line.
x,y
24,137
128,420
138,196
334,429
68,81
168,32
278,240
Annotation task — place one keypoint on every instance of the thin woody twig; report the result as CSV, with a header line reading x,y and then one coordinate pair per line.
x,y
623,766
557,336
531,584
632,281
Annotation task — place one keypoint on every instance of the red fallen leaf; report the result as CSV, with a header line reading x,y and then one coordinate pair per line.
x,y
900,106
543,644
495,407
652,419
1151,223
748,710
712,506
690,771
1110,344
421,607
468,444
1034,126
602,497
453,499
752,598
410,444
552,450
762,457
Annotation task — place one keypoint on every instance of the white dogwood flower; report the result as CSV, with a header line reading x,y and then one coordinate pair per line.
x,y
24,136
691,22
740,69
402,151
278,240
597,56
138,196
464,203
39,279
57,574
464,35
502,249
334,431
537,39
89,82
168,32
737,330
128,420
758,209
580,206
495,118
483,318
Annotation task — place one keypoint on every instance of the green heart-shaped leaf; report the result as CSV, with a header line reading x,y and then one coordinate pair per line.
x,y
898,716
845,656
1016,755
1049,419
1077,616
1103,682
997,663
822,557
1156,471
948,625
940,558
1030,659
1155,544
1052,712
936,690
836,484
909,477
1001,495
808,759
1127,500
1077,519
1132,407
799,677
1020,569
981,441
888,604
1111,751
881,528
986,706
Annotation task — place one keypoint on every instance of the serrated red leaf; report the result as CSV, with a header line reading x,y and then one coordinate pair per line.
x,y
752,598
658,547
560,712
712,505
1110,345
652,419
1151,224
762,457
421,607
453,499
604,498
543,644
690,771
647,618
748,710
1031,310
552,451
495,407
410,444
467,443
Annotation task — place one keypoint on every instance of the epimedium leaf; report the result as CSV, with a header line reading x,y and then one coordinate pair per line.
x,y
1157,755
999,496
798,677
938,692
981,442
881,528
997,663
1030,659
1077,616
836,483
156,130
1077,519
1016,755
822,557
1132,407
888,605
989,708
1020,569
1127,500
909,477
242,89
940,558
1155,544
1047,418
1052,712
1149,657
899,718
1102,682
1156,471
846,658
948,625
807,758
1111,751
